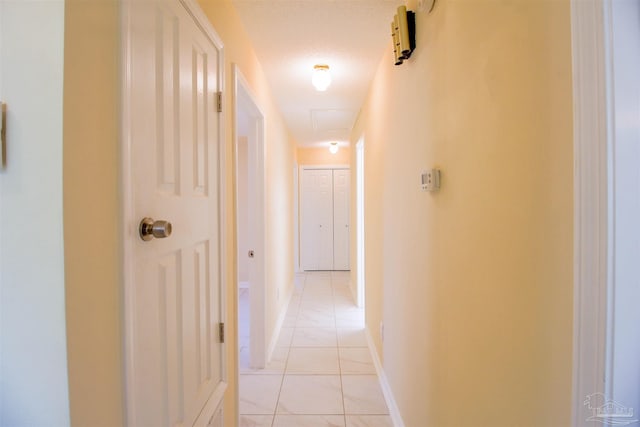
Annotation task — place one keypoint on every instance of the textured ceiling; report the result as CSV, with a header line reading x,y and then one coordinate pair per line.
x,y
291,36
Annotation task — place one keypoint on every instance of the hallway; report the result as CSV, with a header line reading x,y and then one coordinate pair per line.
x,y
321,373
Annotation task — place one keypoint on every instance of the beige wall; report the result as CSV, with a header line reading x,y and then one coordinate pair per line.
x,y
279,158
476,279
321,156
92,212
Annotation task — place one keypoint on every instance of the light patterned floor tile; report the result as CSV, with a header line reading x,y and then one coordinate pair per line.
x,y
315,337
356,360
311,394
276,366
256,420
259,394
284,339
352,338
321,360
350,319
316,306
369,421
362,395
309,421
290,322
315,319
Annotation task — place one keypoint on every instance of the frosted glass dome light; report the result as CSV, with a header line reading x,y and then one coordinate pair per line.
x,y
333,147
321,78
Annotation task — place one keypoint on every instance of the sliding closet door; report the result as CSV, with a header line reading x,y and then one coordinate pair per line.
x,y
317,219
341,187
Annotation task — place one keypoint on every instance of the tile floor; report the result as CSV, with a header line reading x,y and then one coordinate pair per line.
x,y
321,373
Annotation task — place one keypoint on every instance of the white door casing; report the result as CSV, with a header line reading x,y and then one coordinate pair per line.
x,y
246,105
296,218
360,250
172,140
341,217
590,203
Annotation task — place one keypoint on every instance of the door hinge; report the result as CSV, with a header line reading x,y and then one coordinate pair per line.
x,y
219,101
221,332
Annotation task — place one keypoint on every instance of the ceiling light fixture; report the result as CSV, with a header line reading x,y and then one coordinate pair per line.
x,y
321,78
333,147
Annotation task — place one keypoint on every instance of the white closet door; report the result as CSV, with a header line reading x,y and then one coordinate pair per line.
x,y
317,219
341,187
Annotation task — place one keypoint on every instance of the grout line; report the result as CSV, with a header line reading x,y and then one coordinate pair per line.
x,y
344,407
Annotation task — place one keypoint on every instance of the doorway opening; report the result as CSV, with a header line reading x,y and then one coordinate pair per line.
x,y
250,220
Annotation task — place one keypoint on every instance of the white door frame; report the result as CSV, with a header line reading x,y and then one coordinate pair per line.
x,y
360,276
245,101
296,219
592,63
129,224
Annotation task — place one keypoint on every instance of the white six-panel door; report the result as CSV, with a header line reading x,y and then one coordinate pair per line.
x,y
341,191
325,219
317,219
173,297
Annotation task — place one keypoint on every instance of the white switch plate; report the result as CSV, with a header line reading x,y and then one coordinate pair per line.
x,y
430,180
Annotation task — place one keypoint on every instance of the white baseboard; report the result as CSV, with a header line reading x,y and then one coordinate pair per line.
x,y
394,412
279,323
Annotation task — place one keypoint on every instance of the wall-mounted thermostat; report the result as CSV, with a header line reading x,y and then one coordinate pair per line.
x,y
431,180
